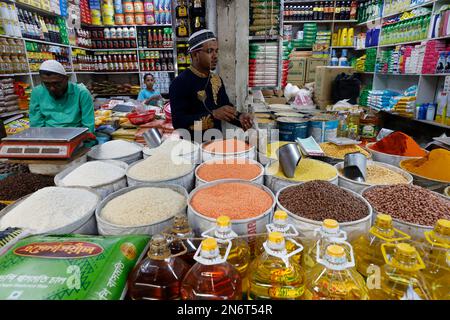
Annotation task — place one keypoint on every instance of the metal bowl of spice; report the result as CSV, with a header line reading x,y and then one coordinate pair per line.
x,y
387,158
378,173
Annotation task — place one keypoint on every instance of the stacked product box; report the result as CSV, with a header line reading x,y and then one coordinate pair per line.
x,y
321,49
432,52
85,12
263,64
63,7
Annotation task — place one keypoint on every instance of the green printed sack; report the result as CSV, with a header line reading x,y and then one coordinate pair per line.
x,y
69,267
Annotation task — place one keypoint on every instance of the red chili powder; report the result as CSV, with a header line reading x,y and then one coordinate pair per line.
x,y
226,146
228,169
400,144
236,200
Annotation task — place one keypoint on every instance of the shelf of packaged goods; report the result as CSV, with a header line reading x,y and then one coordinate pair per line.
x,y
155,49
10,37
182,39
22,5
368,22
111,72
441,38
425,4
433,123
128,25
115,50
398,74
404,20
14,74
81,48
262,38
47,42
306,21
12,113
401,43
345,21
342,47
167,71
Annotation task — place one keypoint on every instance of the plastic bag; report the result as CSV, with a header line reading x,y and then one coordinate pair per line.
x,y
303,99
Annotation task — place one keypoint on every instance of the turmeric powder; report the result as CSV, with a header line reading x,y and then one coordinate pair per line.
x,y
435,165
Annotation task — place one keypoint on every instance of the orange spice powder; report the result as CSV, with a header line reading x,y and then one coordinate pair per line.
x,y
228,169
226,146
236,200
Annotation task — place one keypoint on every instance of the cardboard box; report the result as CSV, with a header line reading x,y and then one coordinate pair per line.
x,y
324,78
296,80
311,66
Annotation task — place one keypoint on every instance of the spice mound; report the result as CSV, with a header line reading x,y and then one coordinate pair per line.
x,y
19,185
307,170
50,208
377,175
160,167
176,147
228,169
226,146
143,206
319,200
435,165
399,144
409,203
339,152
115,149
236,200
93,173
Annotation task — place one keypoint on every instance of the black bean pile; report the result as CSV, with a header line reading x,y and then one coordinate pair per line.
x,y
409,203
19,185
319,200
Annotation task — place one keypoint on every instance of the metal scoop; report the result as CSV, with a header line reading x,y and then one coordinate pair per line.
x,y
355,166
289,156
153,137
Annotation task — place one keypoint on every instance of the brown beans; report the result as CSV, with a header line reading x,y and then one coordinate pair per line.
x,y
319,200
409,203
16,186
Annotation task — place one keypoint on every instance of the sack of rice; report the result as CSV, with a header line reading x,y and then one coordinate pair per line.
x,y
69,267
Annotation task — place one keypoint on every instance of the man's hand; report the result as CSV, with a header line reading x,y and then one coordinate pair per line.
x,y
225,113
246,121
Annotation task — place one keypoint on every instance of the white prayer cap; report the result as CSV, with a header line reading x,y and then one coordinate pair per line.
x,y
53,66
200,37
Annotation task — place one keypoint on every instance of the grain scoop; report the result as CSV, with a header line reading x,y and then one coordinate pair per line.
x,y
289,156
355,166
152,137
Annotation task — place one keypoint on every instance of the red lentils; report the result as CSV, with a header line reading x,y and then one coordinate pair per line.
x,y
228,169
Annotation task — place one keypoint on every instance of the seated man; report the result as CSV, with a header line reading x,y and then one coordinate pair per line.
x,y
197,94
58,102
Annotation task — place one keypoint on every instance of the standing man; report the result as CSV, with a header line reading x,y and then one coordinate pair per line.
x,y
198,94
58,102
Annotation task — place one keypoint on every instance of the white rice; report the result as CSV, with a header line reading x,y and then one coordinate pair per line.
x,y
173,146
50,208
93,173
116,149
160,167
143,206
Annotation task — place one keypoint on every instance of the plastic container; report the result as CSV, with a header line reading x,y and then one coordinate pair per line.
x,y
187,180
360,186
85,225
103,189
323,130
387,158
93,154
353,229
275,183
201,223
259,179
141,118
107,228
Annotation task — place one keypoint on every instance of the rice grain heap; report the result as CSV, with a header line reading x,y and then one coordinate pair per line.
x,y
50,208
160,167
93,173
176,147
116,149
143,206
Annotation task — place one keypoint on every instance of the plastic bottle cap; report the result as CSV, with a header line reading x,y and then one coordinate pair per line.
x,y
406,249
330,224
223,221
443,227
209,244
280,215
335,251
385,218
276,237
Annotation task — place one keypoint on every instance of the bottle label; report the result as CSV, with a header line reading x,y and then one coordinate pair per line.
x,y
286,292
282,275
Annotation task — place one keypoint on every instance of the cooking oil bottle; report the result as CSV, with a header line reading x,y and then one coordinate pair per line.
x,y
368,247
159,275
436,253
212,277
274,274
179,234
328,233
334,277
400,278
239,255
280,224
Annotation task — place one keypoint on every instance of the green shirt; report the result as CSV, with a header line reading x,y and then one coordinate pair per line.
x,y
74,109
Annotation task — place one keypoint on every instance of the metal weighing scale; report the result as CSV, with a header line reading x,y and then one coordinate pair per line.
x,y
43,143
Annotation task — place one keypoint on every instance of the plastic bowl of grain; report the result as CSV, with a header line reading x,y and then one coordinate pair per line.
x,y
391,159
378,173
234,168
230,148
249,206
